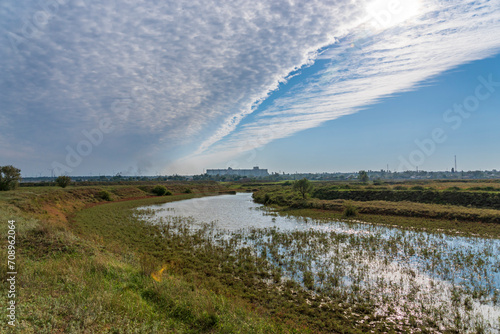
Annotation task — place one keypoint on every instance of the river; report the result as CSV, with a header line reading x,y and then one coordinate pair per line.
x,y
405,272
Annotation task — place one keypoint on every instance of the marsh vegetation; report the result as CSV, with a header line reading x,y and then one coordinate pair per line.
x,y
370,276
91,261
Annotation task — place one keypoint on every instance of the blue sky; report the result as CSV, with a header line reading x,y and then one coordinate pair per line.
x,y
149,87
383,132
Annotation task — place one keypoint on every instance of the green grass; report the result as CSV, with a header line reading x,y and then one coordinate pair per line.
x,y
196,260
431,217
85,265
98,293
418,194
87,275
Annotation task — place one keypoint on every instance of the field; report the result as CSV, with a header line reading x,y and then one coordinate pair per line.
x,y
74,278
90,262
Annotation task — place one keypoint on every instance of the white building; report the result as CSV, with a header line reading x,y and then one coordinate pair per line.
x,y
255,172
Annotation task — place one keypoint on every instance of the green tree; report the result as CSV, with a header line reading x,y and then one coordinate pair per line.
x,y
9,177
303,186
363,176
63,181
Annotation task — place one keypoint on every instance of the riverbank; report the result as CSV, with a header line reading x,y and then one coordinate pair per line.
x,y
450,219
92,262
73,277
350,276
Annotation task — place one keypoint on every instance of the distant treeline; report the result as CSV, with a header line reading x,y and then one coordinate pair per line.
x,y
114,183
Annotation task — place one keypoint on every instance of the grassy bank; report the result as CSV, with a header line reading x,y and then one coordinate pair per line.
x,y
418,194
87,262
432,217
85,266
292,278
235,273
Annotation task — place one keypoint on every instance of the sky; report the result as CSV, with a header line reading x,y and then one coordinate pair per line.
x,y
150,87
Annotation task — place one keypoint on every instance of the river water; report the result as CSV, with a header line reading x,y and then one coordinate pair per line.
x,y
425,275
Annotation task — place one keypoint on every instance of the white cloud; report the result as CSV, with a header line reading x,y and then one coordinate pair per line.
x,y
183,70
187,72
388,62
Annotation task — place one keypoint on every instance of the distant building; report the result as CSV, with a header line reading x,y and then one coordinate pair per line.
x,y
255,172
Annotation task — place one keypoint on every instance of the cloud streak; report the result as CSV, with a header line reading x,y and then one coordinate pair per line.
x,y
390,61
184,74
192,69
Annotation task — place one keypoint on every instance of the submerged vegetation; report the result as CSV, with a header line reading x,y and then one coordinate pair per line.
x,y
355,276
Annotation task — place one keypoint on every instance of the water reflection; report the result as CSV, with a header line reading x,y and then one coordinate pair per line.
x,y
406,274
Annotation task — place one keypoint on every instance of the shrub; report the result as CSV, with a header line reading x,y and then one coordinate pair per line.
x,y
188,191
104,195
417,188
350,210
63,181
159,190
286,183
168,193
9,177
399,188
453,189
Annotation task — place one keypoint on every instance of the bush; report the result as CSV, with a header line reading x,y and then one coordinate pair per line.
x,y
9,177
168,193
160,191
417,188
104,195
63,181
350,210
188,191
